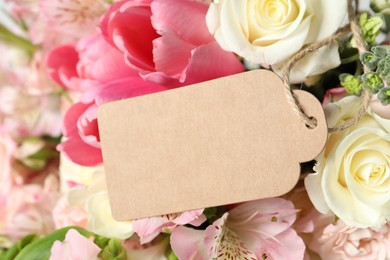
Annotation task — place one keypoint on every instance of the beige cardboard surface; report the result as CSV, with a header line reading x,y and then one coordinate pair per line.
x,y
224,141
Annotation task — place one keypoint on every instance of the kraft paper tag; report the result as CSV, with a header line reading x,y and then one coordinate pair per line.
x,y
219,142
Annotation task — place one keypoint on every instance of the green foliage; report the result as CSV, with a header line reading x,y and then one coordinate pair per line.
x,y
353,85
171,256
383,68
369,59
377,80
382,7
381,51
370,27
384,96
40,249
15,250
372,82
113,251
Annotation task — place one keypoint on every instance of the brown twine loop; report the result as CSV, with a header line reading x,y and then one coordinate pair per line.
x,y
360,45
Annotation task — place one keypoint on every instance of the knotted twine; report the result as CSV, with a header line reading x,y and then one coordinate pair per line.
x,y
360,45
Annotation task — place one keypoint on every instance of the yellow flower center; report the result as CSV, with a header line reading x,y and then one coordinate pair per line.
x,y
272,14
377,170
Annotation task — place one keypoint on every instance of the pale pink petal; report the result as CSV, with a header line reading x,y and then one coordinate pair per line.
x,y
59,251
214,233
209,62
81,247
223,243
148,228
184,18
73,17
189,217
187,243
268,217
74,247
287,245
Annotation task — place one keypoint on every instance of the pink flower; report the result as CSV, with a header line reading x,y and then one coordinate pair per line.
x,y
7,147
149,228
66,215
255,230
74,247
74,17
167,41
82,145
91,62
23,114
379,109
27,209
338,241
333,95
96,71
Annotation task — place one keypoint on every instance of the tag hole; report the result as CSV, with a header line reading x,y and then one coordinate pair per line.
x,y
314,123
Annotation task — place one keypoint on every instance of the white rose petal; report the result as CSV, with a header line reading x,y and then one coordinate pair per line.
x,y
271,31
352,177
101,221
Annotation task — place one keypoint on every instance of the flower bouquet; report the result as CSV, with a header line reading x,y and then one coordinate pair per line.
x,y
63,59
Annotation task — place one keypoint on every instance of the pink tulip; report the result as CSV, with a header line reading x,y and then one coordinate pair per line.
x,y
90,62
82,145
167,41
96,71
74,247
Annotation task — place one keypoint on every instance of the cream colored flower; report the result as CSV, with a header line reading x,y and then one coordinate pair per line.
x,y
270,31
94,199
352,177
90,195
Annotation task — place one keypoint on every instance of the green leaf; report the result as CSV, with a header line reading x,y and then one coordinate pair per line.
x,y
114,251
40,249
171,255
15,250
100,241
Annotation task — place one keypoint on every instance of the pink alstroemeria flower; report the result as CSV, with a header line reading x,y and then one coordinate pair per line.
x,y
167,41
149,228
253,230
74,247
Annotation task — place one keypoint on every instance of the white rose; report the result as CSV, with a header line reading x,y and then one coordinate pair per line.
x,y
270,31
352,177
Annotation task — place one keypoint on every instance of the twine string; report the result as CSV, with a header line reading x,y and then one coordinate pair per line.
x,y
360,45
